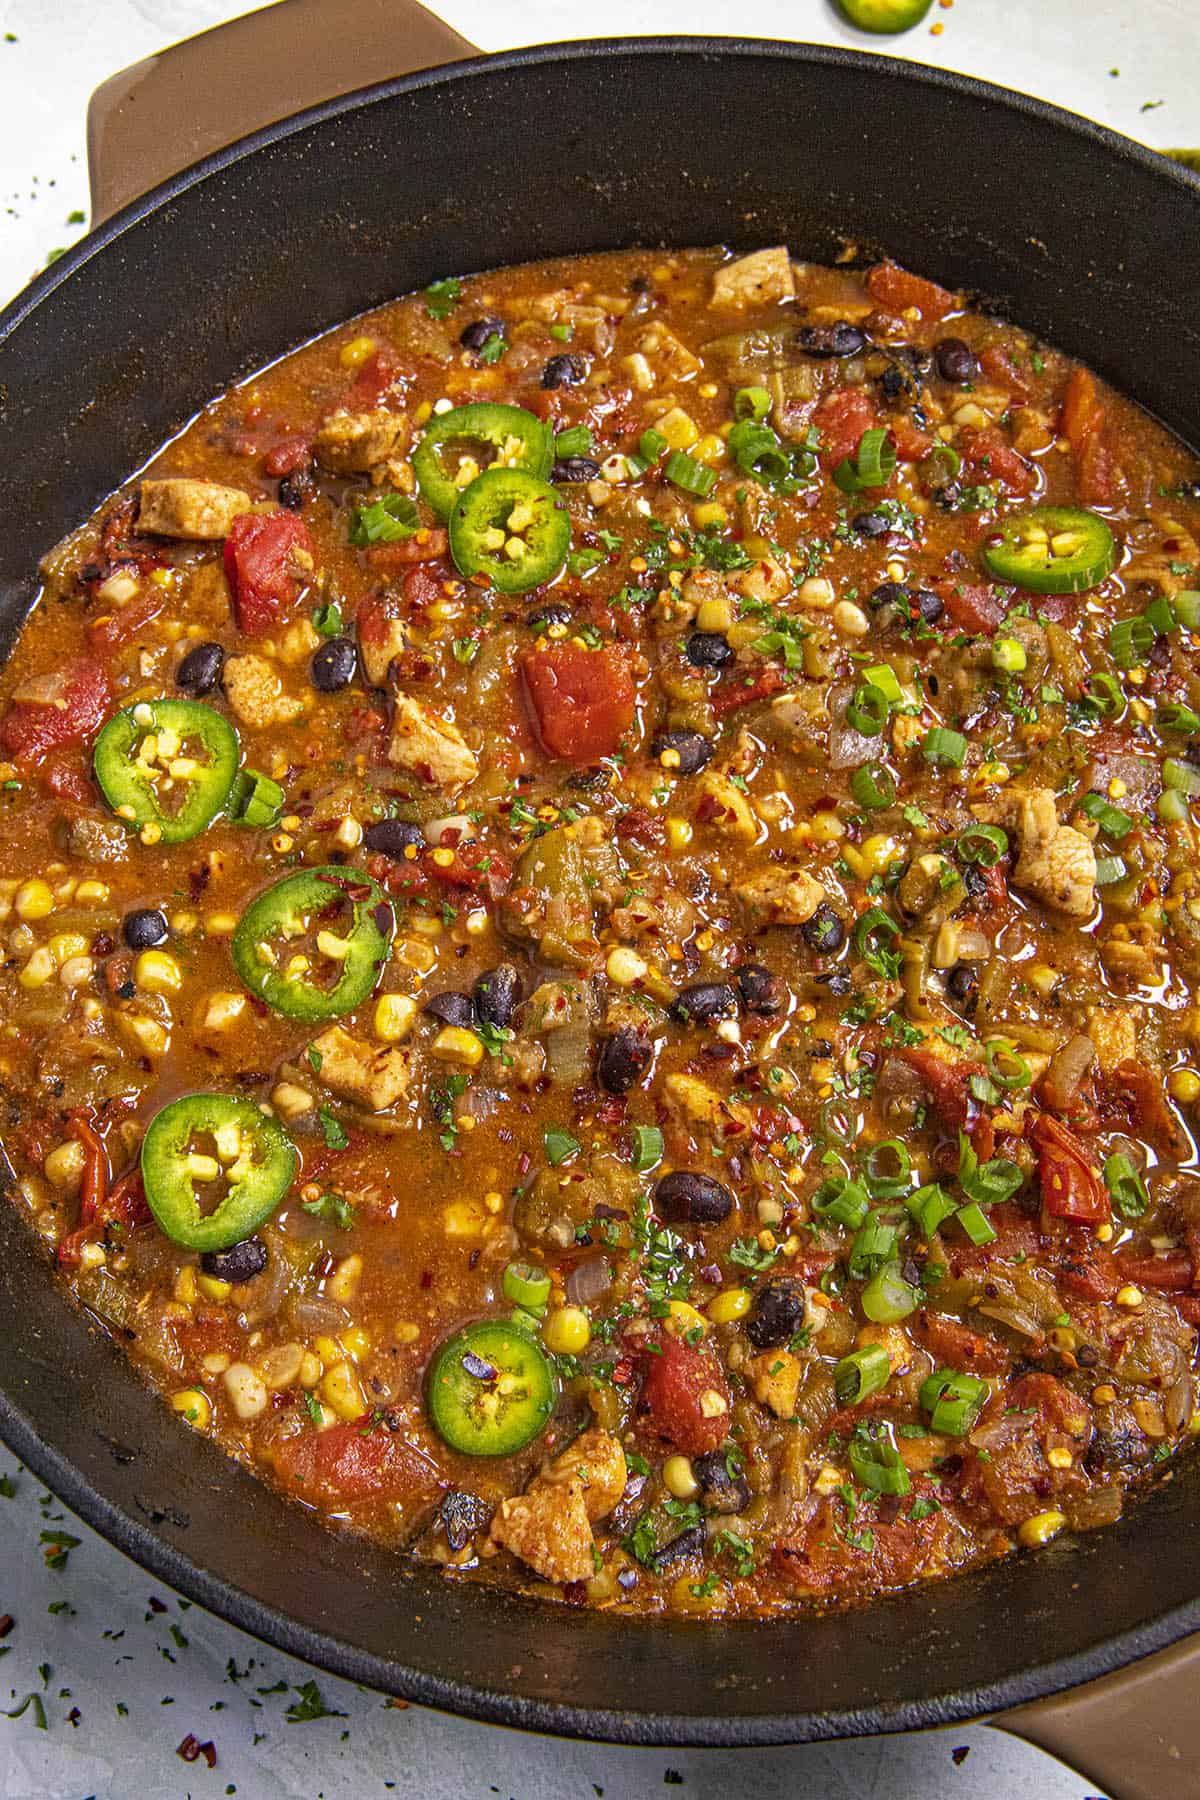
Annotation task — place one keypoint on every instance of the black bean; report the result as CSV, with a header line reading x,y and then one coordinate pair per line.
x,y
462,1515
545,616
241,1262
776,1315
200,670
452,1009
296,488
688,1544
930,605
975,881
693,750
824,932
890,593
623,1060
564,371
334,665
392,837
759,989
685,1197
955,360
497,994
575,468
143,929
708,650
824,341
962,984
725,1490
893,382
704,1002
475,335
837,981
871,524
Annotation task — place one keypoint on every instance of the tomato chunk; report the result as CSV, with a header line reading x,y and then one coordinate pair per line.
x,y
1171,1274
687,1396
948,1084
1071,1188
262,564
358,1460
993,458
1082,423
371,384
580,701
55,711
895,289
840,420
114,630
970,606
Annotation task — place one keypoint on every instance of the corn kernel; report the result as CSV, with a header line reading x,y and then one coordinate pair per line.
x,y
625,967
63,1167
713,1405
213,1288
407,1332
221,924
1039,1530
826,828
567,1331
686,1318
92,1256
33,900
678,427
729,1305
462,1219
246,1390
310,1370
358,351
710,449
356,1342
341,1392
1130,1297
37,970
1059,1457
709,512
185,1285
715,615
194,1405
291,1101
1184,1085
679,1478
456,1045
344,1280
394,1015
680,833
157,972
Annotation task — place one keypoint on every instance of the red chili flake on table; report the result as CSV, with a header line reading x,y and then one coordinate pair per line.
x,y
191,1750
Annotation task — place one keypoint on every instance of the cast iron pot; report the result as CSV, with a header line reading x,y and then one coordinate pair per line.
x,y
1073,232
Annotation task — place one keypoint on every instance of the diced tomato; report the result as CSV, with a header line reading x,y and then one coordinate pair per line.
x,y
580,701
969,605
832,1555
65,774
1172,1273
373,620
113,631
101,1204
990,456
840,420
1188,1307
958,1347
681,1384
1071,1188
1058,1409
1082,423
741,690
68,708
425,546
288,455
422,586
911,444
370,386
262,564
948,1084
1000,368
1149,1110
895,290
1089,1271
358,1460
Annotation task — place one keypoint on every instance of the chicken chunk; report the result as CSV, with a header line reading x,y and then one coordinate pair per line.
x,y
373,1075
355,443
378,651
775,1377
430,746
726,806
1055,863
756,279
549,1526
670,355
256,693
781,896
182,508
1114,1034
701,1107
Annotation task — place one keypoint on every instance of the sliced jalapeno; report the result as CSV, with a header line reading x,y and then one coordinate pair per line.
x,y
313,945
1051,550
491,1389
214,1167
166,767
478,437
884,16
511,527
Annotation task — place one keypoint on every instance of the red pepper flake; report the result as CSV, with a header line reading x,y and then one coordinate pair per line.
x,y
6,1624
191,1750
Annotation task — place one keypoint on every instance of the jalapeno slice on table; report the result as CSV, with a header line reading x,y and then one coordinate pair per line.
x,y
1051,550
491,1389
458,442
512,528
313,945
884,16
214,1167
166,767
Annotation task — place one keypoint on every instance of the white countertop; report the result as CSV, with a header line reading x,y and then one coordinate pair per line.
x,y
143,1670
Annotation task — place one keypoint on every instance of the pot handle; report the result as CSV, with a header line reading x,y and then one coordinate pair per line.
x,y
1135,1734
157,117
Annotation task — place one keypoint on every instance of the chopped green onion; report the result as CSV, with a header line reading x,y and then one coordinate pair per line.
x,y
651,445
526,1286
254,800
883,677
385,521
1110,869
575,441
1123,1181
1006,1068
1008,656
982,844
841,1202
887,1169
1160,614
945,748
1106,695
874,1242
1171,807
647,1147
872,786
887,1297
1172,716
1109,818
1187,608
1130,641
875,1462
941,465
760,452
873,463
989,1182
683,471
929,1207
869,710
872,933
974,1222
1183,777
559,1145
751,403
328,619
861,1373
953,1401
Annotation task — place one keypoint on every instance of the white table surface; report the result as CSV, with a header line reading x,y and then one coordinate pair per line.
x,y
142,1678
